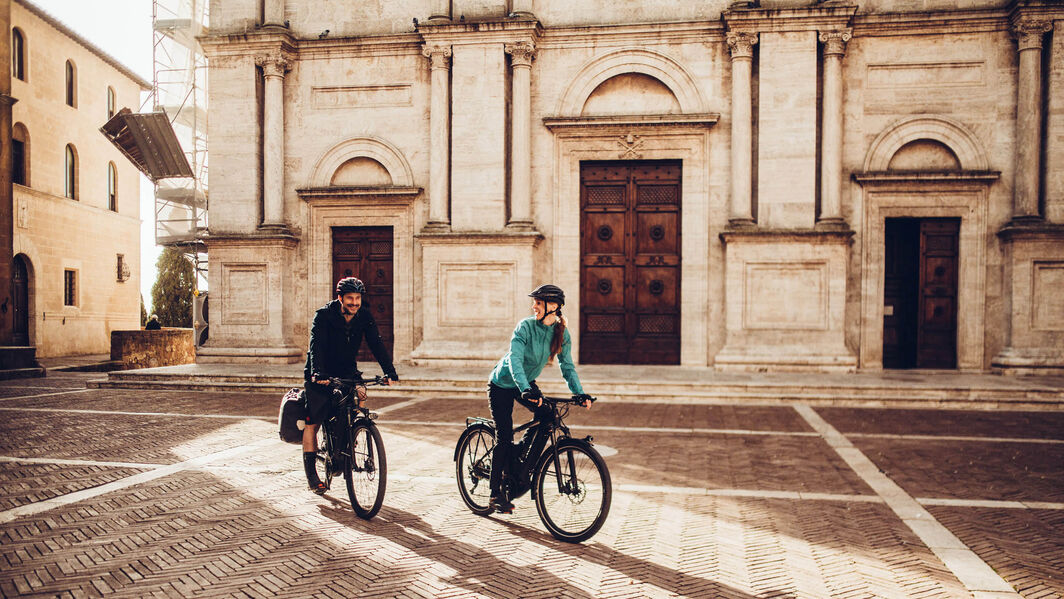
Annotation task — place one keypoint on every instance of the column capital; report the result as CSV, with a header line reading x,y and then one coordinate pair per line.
x,y
521,53
835,41
741,43
439,55
273,65
1029,33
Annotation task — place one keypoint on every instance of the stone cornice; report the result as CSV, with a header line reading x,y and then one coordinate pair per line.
x,y
1031,230
355,195
457,33
629,35
1035,10
263,238
827,16
759,235
601,125
895,177
930,22
430,237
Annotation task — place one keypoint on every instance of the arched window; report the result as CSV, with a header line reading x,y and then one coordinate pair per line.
x,y
110,102
70,186
20,155
71,84
112,187
18,54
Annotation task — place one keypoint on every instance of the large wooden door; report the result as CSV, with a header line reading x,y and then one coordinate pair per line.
x,y
920,293
630,262
20,293
366,253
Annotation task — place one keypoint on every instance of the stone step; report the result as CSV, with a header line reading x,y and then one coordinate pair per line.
x,y
21,373
18,357
693,393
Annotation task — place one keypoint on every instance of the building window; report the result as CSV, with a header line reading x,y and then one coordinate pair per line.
x,y
71,84
20,155
112,187
110,102
18,55
123,269
70,184
70,287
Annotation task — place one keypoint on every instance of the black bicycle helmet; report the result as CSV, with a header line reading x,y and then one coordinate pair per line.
x,y
549,293
350,285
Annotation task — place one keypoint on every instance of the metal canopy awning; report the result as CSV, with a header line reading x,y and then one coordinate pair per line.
x,y
148,141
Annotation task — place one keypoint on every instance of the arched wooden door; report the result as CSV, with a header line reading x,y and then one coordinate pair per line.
x,y
20,293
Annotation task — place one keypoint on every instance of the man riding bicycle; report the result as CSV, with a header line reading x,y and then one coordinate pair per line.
x,y
335,337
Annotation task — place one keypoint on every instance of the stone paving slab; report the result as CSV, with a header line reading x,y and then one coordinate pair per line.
x,y
743,502
981,423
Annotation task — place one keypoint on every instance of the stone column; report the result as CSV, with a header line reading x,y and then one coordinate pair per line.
x,y
273,13
441,10
831,127
1029,34
521,55
439,134
273,69
522,8
740,211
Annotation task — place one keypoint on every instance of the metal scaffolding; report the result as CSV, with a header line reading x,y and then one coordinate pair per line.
x,y
179,91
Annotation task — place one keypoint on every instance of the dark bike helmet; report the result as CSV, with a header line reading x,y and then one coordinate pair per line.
x,y
350,285
549,293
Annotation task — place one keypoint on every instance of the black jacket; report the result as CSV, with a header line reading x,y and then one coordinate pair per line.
x,y
334,343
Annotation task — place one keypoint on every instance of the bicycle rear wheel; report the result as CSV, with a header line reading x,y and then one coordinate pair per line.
x,y
366,472
574,499
473,468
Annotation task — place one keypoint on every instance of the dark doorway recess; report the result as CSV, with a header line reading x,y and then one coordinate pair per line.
x,y
366,253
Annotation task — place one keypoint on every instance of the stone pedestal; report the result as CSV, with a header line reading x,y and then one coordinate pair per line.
x,y
252,322
785,300
1033,279
475,291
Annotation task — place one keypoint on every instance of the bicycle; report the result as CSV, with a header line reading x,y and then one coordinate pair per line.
x,y
349,443
569,481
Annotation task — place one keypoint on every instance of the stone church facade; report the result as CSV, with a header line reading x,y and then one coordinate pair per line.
x,y
823,186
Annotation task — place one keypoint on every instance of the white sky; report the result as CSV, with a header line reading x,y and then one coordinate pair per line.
x,y
121,28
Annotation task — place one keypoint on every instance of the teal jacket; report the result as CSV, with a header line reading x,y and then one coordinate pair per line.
x,y
529,350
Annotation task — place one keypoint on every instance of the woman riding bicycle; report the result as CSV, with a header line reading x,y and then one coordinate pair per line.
x,y
536,341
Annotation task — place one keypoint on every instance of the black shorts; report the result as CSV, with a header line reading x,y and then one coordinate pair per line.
x,y
319,402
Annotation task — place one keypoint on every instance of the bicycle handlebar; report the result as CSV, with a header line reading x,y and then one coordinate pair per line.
x,y
377,380
574,399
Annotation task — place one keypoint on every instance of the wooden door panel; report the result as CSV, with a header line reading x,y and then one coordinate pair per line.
x,y
603,288
655,233
630,241
937,326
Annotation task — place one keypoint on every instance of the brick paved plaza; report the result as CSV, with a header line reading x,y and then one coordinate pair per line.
x,y
164,493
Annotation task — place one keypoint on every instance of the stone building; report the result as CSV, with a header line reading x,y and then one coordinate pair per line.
x,y
76,198
783,186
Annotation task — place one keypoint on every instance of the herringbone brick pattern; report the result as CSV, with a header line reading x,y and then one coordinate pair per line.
x,y
21,484
1026,547
976,423
245,526
970,470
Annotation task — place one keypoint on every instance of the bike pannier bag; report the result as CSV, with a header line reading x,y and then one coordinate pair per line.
x,y
292,416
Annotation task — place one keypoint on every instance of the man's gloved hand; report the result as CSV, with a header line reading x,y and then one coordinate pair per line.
x,y
393,376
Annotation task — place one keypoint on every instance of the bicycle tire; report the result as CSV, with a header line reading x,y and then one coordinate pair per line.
x,y
579,511
366,470
473,467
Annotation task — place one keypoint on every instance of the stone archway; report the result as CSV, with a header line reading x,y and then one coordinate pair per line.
x,y
632,60
944,130
380,151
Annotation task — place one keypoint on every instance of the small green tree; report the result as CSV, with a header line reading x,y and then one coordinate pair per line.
x,y
171,295
143,312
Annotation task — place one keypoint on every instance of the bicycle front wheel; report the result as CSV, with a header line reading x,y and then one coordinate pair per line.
x,y
573,492
366,472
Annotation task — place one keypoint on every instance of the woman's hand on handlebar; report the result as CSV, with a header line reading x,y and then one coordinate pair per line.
x,y
585,400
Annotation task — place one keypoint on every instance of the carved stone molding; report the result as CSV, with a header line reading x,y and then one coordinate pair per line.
x,y
835,41
521,53
273,65
741,44
1029,33
439,56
